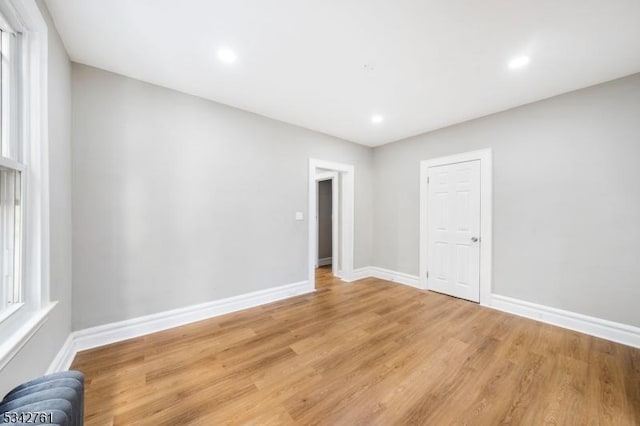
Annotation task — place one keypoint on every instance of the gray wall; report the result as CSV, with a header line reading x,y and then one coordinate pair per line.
x,y
566,199
156,172
173,199
325,229
37,354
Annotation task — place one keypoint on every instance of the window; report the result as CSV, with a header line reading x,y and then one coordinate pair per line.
x,y
11,172
24,177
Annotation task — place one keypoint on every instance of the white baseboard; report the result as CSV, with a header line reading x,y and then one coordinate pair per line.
x,y
325,261
616,332
360,273
385,274
118,331
64,358
395,276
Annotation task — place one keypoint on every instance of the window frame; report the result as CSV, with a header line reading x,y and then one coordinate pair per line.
x,y
24,320
17,252
11,161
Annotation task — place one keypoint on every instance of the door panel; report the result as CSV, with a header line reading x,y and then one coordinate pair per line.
x,y
453,216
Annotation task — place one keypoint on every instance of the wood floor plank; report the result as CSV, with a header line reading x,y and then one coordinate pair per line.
x,y
370,352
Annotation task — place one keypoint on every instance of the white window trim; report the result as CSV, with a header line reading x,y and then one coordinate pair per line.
x,y
22,323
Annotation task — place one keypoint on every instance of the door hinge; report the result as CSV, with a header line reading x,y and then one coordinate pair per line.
x,y
427,274
427,180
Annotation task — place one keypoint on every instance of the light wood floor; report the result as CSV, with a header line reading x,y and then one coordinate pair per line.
x,y
371,352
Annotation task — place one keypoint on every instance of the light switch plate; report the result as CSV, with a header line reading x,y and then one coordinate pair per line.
x,y
299,216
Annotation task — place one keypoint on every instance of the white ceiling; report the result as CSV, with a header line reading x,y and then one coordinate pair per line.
x,y
436,62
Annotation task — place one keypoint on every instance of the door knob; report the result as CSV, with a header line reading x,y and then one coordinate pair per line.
x,y
474,239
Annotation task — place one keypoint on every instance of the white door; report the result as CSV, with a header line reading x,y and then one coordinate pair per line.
x,y
453,226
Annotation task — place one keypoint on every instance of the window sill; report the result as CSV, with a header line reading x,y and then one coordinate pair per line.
x,y
6,313
12,345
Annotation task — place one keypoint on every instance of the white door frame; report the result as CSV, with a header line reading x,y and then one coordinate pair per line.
x,y
486,218
345,205
335,250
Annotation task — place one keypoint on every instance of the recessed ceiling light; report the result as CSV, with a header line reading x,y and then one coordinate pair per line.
x,y
377,118
519,62
227,56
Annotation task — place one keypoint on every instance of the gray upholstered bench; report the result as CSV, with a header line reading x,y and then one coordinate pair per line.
x,y
56,399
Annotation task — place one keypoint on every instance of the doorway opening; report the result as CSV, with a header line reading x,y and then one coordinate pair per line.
x,y
331,222
327,227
